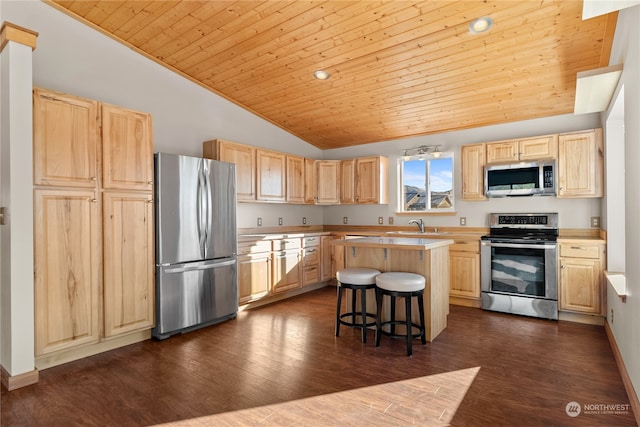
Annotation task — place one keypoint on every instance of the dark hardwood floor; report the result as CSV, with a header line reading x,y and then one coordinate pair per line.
x,y
484,369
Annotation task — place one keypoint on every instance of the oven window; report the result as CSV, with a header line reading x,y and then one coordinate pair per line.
x,y
518,271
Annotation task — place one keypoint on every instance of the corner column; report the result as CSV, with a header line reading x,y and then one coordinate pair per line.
x,y
17,323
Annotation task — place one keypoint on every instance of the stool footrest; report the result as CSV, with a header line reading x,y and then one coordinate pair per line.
x,y
400,323
357,325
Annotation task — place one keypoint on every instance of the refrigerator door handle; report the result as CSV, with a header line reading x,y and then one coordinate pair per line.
x,y
208,207
198,266
201,211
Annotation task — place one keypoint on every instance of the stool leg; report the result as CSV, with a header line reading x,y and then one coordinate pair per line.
x,y
407,305
378,315
353,306
422,324
363,303
338,310
393,314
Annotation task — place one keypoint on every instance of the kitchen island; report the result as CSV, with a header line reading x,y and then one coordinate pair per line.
x,y
427,257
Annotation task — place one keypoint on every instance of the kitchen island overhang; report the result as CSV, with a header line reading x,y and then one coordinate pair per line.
x,y
427,257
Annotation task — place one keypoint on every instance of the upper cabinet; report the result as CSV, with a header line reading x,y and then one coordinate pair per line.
x,y
270,174
521,150
65,140
372,180
473,161
243,156
295,179
581,164
328,182
348,181
309,181
127,149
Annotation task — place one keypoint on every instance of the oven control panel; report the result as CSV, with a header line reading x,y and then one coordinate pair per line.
x,y
520,220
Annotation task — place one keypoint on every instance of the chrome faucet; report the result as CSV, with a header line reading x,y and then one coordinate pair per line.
x,y
420,224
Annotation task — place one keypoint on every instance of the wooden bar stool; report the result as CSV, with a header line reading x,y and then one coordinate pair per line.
x,y
407,286
356,279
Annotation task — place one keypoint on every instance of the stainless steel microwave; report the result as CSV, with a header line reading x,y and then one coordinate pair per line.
x,y
520,179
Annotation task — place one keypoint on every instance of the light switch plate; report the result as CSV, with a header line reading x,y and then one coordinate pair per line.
x,y
391,220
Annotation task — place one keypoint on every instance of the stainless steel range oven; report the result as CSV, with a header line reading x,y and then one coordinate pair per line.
x,y
519,264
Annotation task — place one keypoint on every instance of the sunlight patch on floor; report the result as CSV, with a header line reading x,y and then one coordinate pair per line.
x,y
429,400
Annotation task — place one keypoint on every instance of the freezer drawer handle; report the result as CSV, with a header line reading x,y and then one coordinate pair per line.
x,y
199,266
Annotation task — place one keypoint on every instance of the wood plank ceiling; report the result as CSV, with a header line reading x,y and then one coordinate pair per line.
x,y
398,68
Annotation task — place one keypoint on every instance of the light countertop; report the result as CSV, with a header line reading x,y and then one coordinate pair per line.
x,y
393,242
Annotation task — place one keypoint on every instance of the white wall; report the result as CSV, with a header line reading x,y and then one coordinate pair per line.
x,y
573,213
626,318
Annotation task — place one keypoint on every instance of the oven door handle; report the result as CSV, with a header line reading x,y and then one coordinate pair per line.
x,y
517,245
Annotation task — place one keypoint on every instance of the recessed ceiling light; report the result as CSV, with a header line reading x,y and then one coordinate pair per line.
x,y
480,25
321,75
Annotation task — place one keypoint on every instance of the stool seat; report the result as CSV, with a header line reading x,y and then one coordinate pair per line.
x,y
400,281
357,276
358,280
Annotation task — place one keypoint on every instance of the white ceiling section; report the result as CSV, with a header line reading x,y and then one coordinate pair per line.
x,y
593,8
594,89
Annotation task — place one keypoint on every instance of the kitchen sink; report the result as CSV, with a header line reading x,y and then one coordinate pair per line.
x,y
417,233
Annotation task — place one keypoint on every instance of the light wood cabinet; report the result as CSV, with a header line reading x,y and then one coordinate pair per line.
x,y
243,156
581,286
295,179
254,276
270,175
372,180
128,240
464,274
127,150
519,150
67,269
94,262
580,164
325,258
286,270
473,160
328,182
348,181
309,181
65,140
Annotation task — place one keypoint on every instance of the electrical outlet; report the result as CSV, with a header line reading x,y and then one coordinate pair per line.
x,y
345,220
612,316
380,220
595,221
279,221
390,220
463,220
304,219
259,222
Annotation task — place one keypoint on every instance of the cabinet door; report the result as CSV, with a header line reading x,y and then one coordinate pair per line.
x,y
347,181
580,164
270,175
67,267
309,181
295,179
544,147
580,285
372,175
337,260
473,161
244,157
65,140
502,152
464,274
127,149
328,181
254,276
286,270
128,262
325,258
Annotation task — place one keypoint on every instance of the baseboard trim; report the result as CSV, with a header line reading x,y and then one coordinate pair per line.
x,y
12,382
465,302
626,380
589,319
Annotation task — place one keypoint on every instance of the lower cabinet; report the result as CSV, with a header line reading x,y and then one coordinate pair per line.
x,y
580,284
464,273
325,258
254,276
287,270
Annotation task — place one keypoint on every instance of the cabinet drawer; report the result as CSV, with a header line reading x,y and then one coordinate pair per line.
x,y
465,246
310,275
580,251
284,244
245,248
311,241
311,256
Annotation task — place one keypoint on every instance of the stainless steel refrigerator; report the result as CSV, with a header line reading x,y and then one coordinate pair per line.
x,y
196,245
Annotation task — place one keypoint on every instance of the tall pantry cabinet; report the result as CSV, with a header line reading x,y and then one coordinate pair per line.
x,y
93,231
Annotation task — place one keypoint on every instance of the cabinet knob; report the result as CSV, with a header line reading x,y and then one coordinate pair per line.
x,y
94,200
94,178
150,201
149,182
562,267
